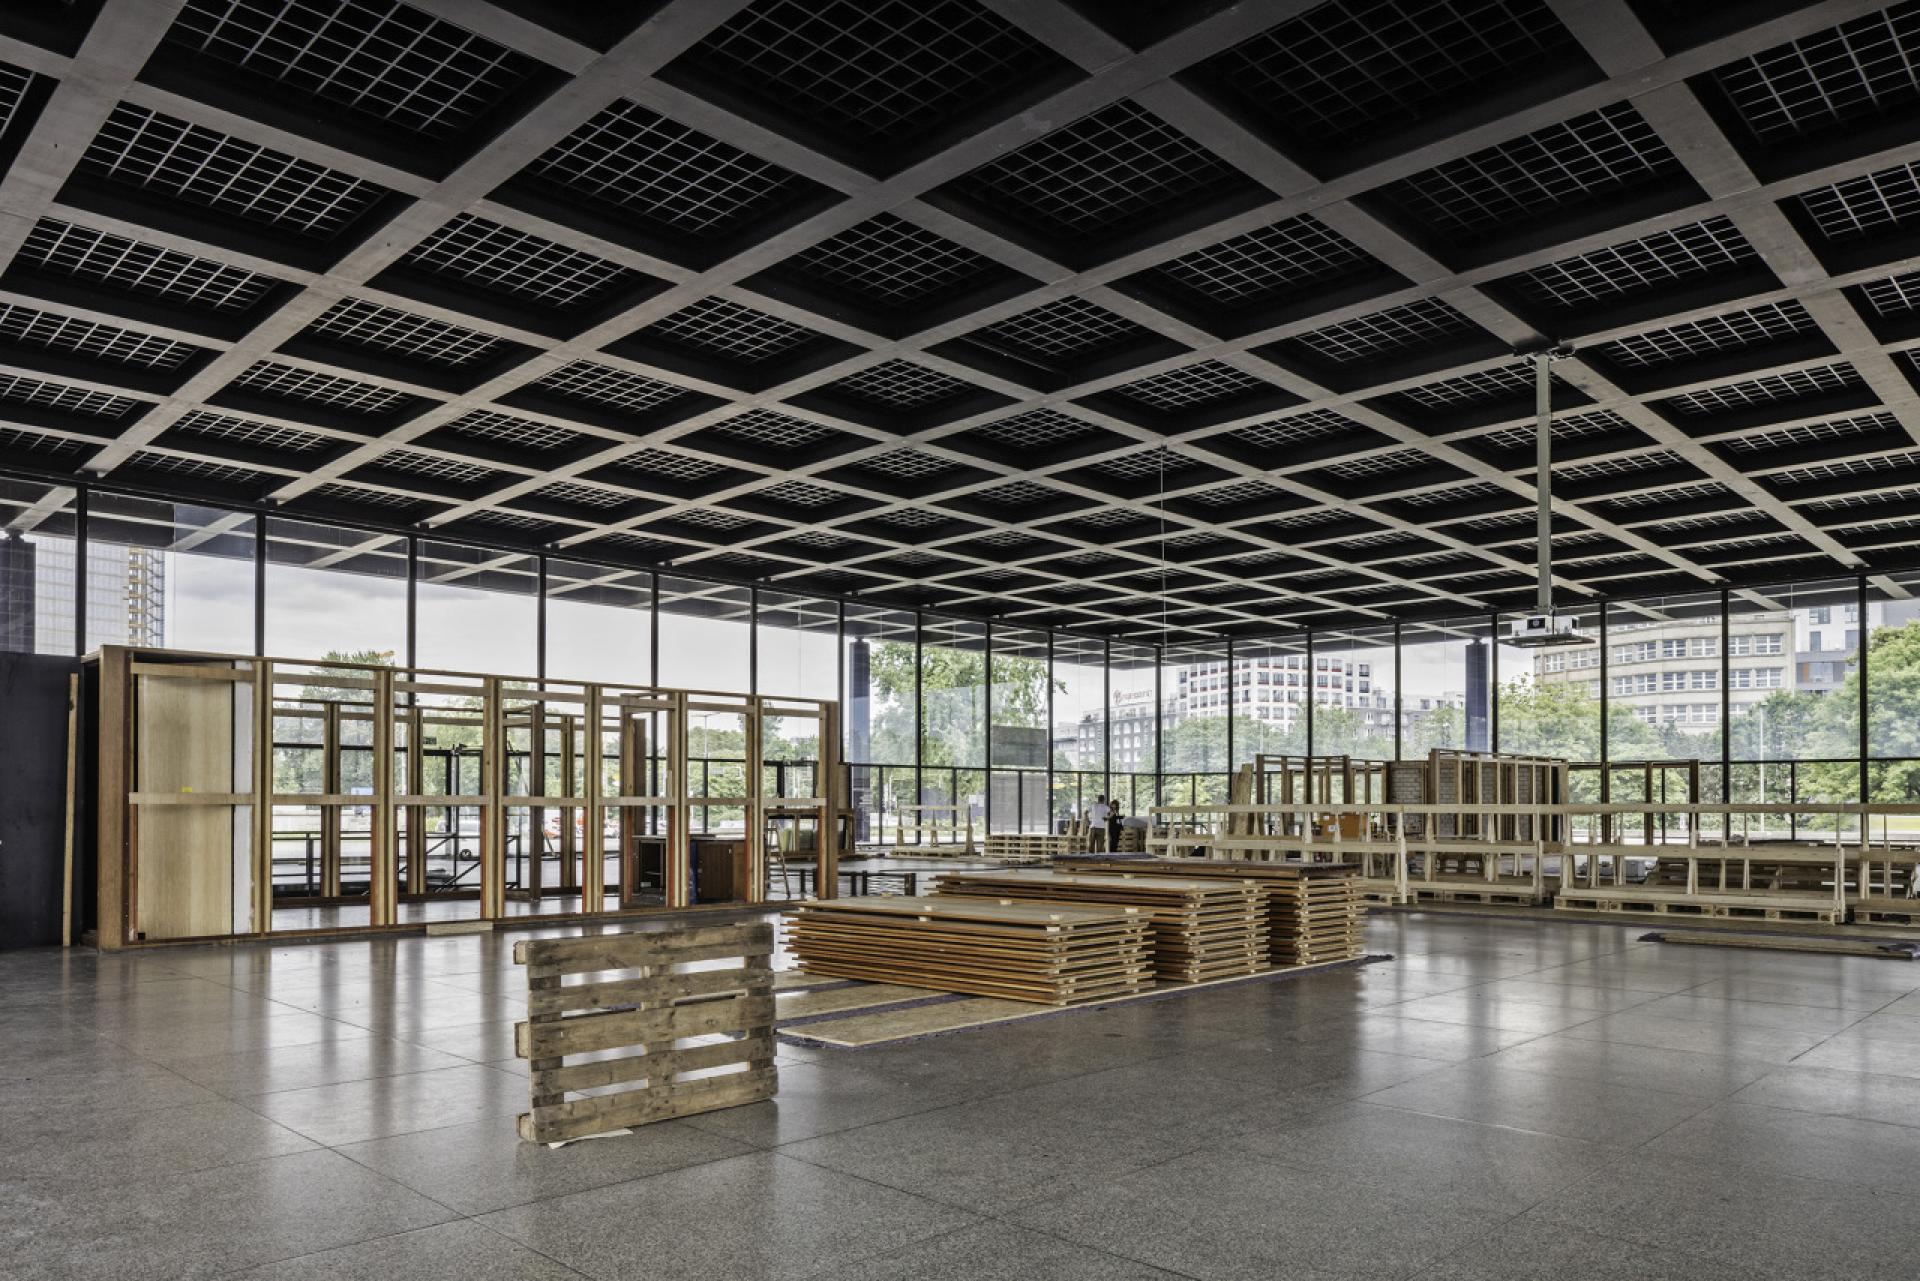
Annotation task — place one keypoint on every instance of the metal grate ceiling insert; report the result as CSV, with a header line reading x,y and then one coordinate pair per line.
x,y
188,162
1068,328
1193,385
288,382
1895,295
90,339
603,385
492,256
1699,249
16,389
1579,160
1036,429
1102,174
1396,331
664,173
900,384
241,431
1770,322
891,263
1262,265
1865,67
717,327
105,259
1862,206
519,433
884,70
1318,424
1355,69
1791,385
366,324
387,60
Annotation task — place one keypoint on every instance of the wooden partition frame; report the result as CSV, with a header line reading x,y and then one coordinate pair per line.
x,y
391,698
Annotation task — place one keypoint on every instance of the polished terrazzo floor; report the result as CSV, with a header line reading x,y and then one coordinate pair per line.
x,y
1505,1099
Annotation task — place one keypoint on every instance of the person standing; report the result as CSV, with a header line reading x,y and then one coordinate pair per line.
x,y
1097,816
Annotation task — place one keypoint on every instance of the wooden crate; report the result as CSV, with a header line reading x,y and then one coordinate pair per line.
x,y
694,1040
1203,928
1051,953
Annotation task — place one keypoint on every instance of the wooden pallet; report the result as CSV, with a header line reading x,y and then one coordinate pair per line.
x,y
1052,954
1787,943
1031,847
1481,894
694,1040
1203,928
1655,902
1887,911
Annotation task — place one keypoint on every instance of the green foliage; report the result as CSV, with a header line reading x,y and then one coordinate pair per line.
x,y
952,684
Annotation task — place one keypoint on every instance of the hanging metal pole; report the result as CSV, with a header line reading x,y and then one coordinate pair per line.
x,y
1543,475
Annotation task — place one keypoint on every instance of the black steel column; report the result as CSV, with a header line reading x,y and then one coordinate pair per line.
x,y
1398,704
259,584
1726,697
80,510
540,619
413,599
1860,649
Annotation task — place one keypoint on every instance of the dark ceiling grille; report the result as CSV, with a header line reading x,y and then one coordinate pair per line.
x,y
491,256
603,385
1514,182
1355,69
1866,205
16,389
365,324
661,172
882,70
1100,175
1865,67
90,339
101,258
1261,265
892,263
1085,287
717,327
1731,332
387,60
1699,249
196,164
288,382
1427,323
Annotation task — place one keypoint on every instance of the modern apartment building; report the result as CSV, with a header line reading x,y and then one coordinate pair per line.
x,y
126,595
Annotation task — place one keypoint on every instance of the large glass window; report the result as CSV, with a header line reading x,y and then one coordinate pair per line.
x,y
1549,699
168,574
599,623
798,646
1355,718
706,635
1663,673
335,593
476,610
1445,679
1080,707
1271,686
37,597
953,693
1019,740
1893,689
1138,711
879,723
1793,655
1196,684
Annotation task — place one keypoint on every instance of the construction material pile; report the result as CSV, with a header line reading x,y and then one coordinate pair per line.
x,y
1202,929
1316,911
1055,954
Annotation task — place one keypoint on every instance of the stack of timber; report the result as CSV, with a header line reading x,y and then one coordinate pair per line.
x,y
1207,928
1319,914
682,1041
1316,911
1030,847
1053,954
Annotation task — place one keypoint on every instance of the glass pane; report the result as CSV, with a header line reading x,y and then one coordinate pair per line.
x,y
1444,678
476,610
1018,735
798,646
335,593
1270,688
705,635
1194,681
168,574
878,719
36,569
599,623
1080,704
1356,719
953,694
1663,676
1793,654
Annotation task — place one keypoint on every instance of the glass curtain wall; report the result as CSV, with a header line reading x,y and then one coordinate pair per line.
x,y
1195,754
1272,681
335,593
1018,737
879,716
1137,712
37,583
173,575
1079,748
1793,659
599,623
1445,679
1549,699
1356,718
706,634
953,721
476,610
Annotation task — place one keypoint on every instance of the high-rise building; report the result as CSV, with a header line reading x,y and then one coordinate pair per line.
x,y
126,595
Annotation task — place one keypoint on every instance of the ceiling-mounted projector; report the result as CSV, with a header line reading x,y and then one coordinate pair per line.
x,y
1541,631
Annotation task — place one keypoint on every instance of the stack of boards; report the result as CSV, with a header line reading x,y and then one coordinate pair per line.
x,y
1202,929
1316,910
1055,954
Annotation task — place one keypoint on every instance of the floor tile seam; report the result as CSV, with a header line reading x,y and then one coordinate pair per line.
x,y
1603,1229
1495,1027
335,1147
1082,1245
746,1149
1890,1186
361,1080
1709,1053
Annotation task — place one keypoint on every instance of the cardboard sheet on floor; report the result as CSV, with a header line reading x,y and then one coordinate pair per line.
x,y
936,1013
805,1003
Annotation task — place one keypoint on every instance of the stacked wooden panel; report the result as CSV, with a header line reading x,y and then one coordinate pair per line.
x,y
1055,954
1202,929
1316,911
682,1041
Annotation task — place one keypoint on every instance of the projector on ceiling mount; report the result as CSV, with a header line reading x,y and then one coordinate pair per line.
x,y
1542,631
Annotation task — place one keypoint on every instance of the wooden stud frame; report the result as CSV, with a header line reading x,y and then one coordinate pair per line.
x,y
403,707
